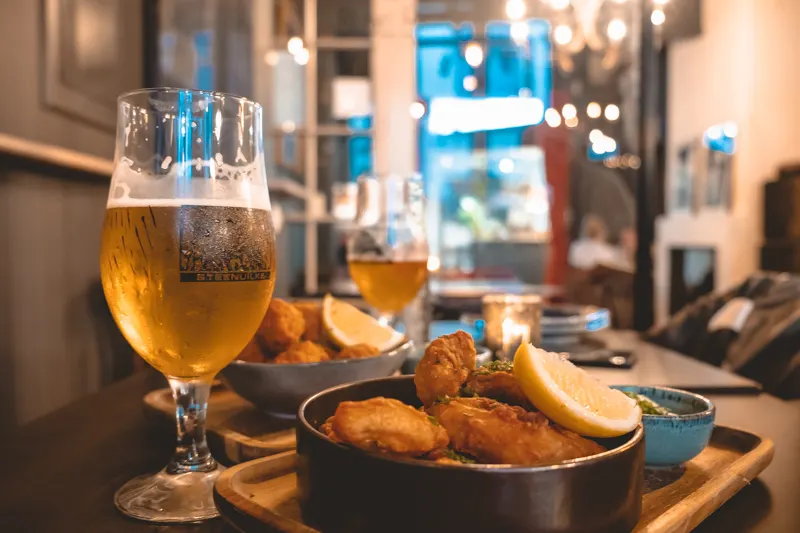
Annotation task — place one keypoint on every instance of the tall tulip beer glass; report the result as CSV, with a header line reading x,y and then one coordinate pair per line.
x,y
187,264
388,252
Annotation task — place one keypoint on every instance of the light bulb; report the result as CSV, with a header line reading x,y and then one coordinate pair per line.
x,y
562,34
616,30
302,56
416,110
593,110
595,136
515,9
294,45
569,111
519,32
552,118
571,122
473,53
657,17
612,112
470,83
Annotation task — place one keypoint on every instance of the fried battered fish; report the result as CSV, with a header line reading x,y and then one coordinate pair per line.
x,y
496,381
386,425
358,351
445,367
496,433
282,326
303,352
312,315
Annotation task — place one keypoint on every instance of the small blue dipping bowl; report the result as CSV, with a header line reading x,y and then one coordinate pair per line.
x,y
672,440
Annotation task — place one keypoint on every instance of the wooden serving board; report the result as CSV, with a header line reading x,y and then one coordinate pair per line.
x,y
237,431
262,494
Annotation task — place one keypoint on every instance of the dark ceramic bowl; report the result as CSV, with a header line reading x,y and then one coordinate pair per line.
x,y
346,489
280,389
672,440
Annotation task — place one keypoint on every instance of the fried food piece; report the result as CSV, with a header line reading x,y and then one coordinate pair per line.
x,y
386,425
496,433
445,367
303,352
312,314
327,429
282,326
499,385
358,351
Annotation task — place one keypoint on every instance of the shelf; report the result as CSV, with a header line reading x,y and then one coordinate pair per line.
x,y
55,155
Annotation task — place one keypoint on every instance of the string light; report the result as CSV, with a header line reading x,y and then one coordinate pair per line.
x,y
595,136
515,9
552,118
416,110
657,17
519,32
302,56
569,111
571,122
470,83
559,4
294,45
616,30
593,110
562,34
612,112
473,53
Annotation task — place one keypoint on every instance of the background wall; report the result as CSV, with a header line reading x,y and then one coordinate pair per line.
x,y
50,222
739,69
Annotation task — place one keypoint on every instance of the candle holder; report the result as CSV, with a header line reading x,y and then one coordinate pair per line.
x,y
511,320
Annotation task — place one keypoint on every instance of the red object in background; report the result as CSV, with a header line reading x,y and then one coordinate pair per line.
x,y
555,142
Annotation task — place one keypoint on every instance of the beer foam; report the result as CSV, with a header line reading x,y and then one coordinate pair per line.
x,y
230,186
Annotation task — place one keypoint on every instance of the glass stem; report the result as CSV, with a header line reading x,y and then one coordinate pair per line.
x,y
191,402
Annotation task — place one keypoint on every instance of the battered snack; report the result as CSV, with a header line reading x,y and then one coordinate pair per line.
x,y
312,314
445,367
252,353
496,433
496,381
282,326
357,351
388,426
303,352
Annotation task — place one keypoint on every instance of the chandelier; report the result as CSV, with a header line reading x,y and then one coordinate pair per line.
x,y
599,27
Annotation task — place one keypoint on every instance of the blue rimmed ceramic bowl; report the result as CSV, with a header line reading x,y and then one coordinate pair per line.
x,y
672,440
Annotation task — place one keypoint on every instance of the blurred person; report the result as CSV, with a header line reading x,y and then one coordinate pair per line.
x,y
592,247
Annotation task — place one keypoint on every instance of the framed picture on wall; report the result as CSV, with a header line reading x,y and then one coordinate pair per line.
x,y
92,53
684,178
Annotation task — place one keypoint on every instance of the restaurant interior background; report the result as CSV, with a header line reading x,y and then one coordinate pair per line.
x,y
649,125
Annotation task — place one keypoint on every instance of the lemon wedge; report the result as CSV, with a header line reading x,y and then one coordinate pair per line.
x,y
346,325
571,397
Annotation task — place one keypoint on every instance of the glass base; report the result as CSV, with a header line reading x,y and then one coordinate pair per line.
x,y
171,498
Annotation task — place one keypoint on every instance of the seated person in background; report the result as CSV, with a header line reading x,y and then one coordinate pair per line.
x,y
600,273
592,247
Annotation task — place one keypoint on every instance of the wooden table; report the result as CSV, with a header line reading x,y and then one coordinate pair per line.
x,y
58,474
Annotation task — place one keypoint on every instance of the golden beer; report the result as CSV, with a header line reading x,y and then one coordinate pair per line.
x,y
188,285
388,286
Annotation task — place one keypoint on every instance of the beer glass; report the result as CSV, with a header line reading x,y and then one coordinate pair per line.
x,y
388,253
187,264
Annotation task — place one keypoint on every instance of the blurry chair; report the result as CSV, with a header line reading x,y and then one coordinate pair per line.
x,y
763,343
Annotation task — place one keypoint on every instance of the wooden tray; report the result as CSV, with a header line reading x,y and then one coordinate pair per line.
x,y
236,430
262,494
